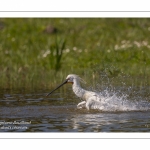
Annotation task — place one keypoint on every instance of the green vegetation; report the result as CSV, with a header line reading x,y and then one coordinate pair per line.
x,y
40,52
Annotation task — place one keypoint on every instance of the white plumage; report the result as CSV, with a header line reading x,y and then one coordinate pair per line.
x,y
91,100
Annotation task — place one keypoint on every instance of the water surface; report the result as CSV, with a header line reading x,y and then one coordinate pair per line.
x,y
33,112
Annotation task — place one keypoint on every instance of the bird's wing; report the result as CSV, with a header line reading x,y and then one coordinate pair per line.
x,y
81,105
93,103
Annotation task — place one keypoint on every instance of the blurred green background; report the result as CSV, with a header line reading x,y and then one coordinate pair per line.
x,y
41,52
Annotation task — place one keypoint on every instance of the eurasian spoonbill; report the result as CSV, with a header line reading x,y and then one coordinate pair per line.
x,y
91,100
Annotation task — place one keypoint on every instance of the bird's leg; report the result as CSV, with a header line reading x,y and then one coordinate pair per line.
x,y
81,105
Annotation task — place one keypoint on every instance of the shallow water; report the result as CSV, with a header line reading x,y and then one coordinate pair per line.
x,y
126,111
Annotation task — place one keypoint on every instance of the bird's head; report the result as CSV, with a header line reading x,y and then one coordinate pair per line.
x,y
71,78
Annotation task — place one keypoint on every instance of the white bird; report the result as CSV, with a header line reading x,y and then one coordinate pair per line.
x,y
91,100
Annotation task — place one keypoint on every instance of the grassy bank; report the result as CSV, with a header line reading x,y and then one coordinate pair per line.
x,y
38,53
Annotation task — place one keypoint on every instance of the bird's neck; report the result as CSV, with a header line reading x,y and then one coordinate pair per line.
x,y
77,89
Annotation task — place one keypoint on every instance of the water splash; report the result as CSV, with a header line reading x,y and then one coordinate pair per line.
x,y
113,101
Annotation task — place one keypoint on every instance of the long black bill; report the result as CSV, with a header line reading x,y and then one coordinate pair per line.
x,y
57,87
